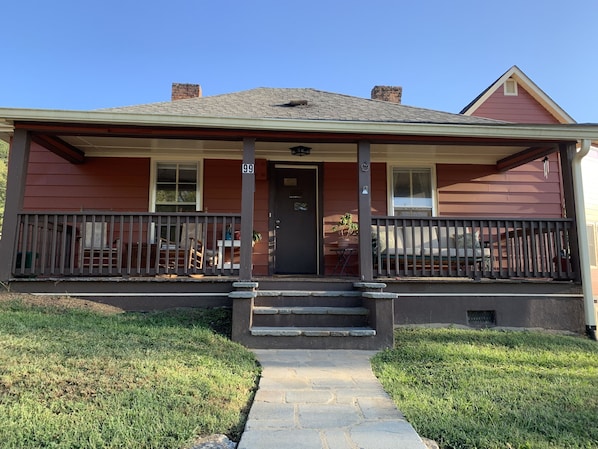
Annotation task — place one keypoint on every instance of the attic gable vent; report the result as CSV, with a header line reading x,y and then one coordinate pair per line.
x,y
511,87
294,103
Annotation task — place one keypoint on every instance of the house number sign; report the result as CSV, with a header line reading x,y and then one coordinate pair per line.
x,y
248,168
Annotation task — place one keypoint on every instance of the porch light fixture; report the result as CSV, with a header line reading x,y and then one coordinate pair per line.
x,y
300,150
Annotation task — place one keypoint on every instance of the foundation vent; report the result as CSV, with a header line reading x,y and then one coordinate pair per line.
x,y
481,318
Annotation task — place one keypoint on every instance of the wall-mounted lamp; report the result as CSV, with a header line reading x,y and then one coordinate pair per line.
x,y
300,150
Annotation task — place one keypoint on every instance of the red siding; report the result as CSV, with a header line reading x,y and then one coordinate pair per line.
x,y
340,196
520,108
474,190
340,191
523,191
119,184
222,186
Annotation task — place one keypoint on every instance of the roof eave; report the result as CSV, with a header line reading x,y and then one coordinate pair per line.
x,y
569,132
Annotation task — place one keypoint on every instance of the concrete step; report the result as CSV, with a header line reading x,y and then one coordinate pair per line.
x,y
310,316
307,298
267,310
270,331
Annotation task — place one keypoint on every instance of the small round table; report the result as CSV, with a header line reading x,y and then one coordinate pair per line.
x,y
343,255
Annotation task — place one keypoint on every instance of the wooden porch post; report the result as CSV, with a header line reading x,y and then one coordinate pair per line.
x,y
247,199
364,201
567,153
18,161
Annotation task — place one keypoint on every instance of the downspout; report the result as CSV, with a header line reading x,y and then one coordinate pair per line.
x,y
582,233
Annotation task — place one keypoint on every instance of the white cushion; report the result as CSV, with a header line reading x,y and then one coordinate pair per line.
x,y
388,241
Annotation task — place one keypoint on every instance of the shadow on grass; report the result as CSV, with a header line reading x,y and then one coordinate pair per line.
x,y
154,379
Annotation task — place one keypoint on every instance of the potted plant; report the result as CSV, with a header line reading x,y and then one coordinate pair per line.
x,y
255,237
346,228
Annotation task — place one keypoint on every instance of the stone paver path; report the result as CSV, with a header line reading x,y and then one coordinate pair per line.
x,y
327,399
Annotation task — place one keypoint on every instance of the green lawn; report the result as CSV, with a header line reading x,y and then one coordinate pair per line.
x,y
73,378
492,389
74,375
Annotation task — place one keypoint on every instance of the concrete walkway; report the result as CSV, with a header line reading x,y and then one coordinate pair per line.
x,y
327,399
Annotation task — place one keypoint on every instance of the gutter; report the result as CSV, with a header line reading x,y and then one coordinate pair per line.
x,y
582,234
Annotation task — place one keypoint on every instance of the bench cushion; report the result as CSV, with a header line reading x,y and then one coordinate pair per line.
x,y
386,240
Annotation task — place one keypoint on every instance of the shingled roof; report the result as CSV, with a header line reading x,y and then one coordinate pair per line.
x,y
299,104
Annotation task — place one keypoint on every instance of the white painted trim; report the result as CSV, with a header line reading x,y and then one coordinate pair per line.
x,y
499,295
128,294
510,92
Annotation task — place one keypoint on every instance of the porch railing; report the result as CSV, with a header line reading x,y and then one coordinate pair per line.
x,y
150,244
454,247
126,244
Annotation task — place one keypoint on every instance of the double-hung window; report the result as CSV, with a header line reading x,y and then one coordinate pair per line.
x,y
176,190
176,187
411,192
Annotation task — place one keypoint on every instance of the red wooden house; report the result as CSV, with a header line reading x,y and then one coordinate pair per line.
x,y
158,205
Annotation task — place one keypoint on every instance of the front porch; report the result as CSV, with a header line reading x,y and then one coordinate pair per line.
x,y
469,271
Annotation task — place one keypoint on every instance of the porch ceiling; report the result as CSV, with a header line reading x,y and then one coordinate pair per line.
x,y
410,152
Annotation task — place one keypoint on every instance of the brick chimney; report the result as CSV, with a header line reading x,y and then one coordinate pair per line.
x,y
182,91
387,93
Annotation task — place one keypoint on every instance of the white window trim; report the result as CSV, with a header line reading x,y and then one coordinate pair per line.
x,y
510,92
389,185
154,175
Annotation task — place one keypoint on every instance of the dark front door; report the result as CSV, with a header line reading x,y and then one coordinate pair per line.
x,y
295,219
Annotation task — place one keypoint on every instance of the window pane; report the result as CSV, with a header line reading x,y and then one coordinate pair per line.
x,y
166,208
167,173
166,193
402,185
188,174
421,184
186,193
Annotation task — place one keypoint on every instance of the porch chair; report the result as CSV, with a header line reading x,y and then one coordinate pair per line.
x,y
189,253
97,252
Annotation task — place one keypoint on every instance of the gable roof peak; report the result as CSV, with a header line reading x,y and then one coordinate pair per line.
x,y
529,86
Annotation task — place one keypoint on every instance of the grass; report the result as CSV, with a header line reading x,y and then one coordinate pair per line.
x,y
491,389
75,378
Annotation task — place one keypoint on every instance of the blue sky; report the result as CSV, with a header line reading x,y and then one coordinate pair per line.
x,y
86,55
